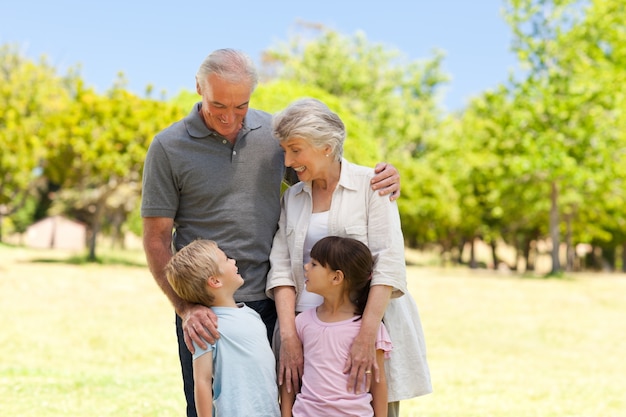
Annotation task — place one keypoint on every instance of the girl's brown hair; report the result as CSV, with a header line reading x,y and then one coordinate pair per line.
x,y
354,259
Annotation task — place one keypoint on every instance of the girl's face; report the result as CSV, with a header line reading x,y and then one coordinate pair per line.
x,y
318,278
310,163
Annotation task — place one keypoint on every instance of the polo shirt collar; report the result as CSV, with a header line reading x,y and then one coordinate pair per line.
x,y
198,129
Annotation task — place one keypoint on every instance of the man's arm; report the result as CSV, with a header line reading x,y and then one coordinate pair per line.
x,y
157,243
386,180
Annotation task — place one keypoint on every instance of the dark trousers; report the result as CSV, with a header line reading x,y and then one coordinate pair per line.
x,y
267,311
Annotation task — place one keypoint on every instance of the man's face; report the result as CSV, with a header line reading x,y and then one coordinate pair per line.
x,y
224,105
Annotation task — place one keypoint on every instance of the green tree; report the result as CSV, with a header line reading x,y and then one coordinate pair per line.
x,y
392,100
97,152
563,111
31,93
273,96
394,97
360,146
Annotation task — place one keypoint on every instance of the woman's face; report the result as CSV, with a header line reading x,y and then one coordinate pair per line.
x,y
310,163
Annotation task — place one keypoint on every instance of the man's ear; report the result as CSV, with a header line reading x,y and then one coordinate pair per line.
x,y
214,281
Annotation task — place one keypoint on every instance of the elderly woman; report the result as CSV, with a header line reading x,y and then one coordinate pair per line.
x,y
334,198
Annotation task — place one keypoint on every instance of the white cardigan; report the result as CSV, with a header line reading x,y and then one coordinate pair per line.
x,y
360,213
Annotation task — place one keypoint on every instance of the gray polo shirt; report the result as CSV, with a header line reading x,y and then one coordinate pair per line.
x,y
215,190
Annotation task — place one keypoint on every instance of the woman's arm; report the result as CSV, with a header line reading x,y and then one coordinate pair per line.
x,y
386,242
363,352
290,361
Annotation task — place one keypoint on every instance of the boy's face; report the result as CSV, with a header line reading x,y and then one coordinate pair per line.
x,y
229,269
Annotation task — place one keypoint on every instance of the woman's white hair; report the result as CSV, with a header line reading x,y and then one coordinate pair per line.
x,y
313,121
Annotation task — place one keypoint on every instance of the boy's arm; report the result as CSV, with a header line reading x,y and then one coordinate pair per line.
x,y
203,384
379,389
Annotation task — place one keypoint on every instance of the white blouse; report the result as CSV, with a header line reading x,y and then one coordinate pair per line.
x,y
318,228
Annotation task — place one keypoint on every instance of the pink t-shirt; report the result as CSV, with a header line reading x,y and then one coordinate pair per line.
x,y
326,347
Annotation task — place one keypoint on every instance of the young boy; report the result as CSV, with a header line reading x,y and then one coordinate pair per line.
x,y
238,377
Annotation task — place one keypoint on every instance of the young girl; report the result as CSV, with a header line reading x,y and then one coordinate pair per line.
x,y
339,271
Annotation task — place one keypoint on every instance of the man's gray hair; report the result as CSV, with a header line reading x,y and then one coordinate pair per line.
x,y
313,121
229,64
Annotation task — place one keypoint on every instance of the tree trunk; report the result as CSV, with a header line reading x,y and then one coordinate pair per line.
x,y
494,255
609,253
95,229
472,262
571,254
530,263
459,258
554,228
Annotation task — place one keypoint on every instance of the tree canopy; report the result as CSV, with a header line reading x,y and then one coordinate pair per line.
x,y
538,158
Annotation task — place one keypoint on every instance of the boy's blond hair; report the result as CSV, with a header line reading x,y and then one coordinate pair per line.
x,y
189,269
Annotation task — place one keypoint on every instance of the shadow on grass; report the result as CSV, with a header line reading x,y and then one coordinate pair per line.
x,y
82,260
106,256
421,263
557,276
100,260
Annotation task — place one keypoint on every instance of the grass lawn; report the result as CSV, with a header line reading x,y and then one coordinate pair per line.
x,y
98,340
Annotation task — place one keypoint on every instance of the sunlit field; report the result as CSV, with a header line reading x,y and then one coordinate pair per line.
x,y
98,340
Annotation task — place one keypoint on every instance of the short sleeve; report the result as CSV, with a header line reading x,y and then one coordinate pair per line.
x,y
383,341
198,351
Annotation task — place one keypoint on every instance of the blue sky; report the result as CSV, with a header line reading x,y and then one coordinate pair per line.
x,y
163,42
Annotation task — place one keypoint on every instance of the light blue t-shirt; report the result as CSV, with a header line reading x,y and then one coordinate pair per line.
x,y
244,367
